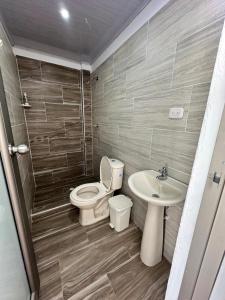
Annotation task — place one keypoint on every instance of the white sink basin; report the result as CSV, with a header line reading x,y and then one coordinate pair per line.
x,y
146,186
158,194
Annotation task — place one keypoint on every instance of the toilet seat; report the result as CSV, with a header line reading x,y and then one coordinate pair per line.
x,y
106,173
88,194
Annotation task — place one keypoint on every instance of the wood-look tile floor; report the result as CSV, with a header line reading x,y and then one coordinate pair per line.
x,y
92,262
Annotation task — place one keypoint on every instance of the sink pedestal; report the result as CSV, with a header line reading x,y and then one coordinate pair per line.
x,y
152,239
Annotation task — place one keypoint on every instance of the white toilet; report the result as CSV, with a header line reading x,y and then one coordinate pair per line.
x,y
92,198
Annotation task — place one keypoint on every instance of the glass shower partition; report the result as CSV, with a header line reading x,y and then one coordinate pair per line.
x,y
13,278
19,278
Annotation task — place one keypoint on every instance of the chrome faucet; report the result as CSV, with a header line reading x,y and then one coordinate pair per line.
x,y
164,173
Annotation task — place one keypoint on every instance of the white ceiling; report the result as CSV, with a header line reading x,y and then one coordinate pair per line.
x,y
92,26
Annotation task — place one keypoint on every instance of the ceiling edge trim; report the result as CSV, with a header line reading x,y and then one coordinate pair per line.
x,y
58,60
144,16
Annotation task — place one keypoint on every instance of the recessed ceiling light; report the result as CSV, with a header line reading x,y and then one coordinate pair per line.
x,y
65,13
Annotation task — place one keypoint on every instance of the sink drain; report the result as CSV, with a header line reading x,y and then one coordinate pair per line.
x,y
155,195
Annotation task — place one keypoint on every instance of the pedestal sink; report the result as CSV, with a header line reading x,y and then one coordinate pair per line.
x,y
158,194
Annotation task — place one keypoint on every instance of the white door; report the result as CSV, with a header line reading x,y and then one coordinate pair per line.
x,y
211,279
205,222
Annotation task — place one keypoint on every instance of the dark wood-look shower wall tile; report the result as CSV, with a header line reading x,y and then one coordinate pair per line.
x,y
87,108
87,100
55,100
37,103
52,190
86,79
75,158
35,115
52,194
51,202
48,195
88,132
88,116
65,144
74,128
59,74
68,175
72,94
46,129
43,179
39,146
29,68
89,156
62,111
49,162
36,89
89,167
88,140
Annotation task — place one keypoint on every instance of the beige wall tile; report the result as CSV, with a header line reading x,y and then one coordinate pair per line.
x,y
167,63
197,107
196,55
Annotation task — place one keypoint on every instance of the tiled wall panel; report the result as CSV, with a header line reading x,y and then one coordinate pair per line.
x,y
167,63
13,96
60,131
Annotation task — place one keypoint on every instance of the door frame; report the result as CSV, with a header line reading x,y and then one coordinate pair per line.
x,y
209,207
203,157
213,256
17,198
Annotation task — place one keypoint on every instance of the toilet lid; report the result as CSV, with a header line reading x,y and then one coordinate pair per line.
x,y
106,172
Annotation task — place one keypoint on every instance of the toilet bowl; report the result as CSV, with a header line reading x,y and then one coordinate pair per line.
x,y
92,198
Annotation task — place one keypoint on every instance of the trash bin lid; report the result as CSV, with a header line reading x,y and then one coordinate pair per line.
x,y
120,202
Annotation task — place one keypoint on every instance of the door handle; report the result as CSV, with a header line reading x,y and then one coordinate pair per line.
x,y
21,149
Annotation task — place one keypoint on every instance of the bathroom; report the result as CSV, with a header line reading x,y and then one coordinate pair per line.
x,y
111,117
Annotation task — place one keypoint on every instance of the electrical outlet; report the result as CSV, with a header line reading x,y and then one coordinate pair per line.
x,y
176,113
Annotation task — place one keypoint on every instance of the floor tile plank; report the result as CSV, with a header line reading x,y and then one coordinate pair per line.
x,y
51,247
98,290
50,282
134,280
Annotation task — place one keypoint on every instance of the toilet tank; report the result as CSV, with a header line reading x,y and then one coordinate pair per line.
x,y
117,173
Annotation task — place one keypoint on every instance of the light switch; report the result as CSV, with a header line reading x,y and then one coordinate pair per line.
x,y
176,113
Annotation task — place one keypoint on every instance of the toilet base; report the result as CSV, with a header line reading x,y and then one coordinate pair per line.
x,y
97,213
87,217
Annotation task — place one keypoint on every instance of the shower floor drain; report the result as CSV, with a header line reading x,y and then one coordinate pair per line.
x,y
155,195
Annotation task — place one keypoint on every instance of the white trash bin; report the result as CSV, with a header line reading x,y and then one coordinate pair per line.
x,y
120,207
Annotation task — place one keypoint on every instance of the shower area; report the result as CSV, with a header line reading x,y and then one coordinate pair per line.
x,y
58,120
